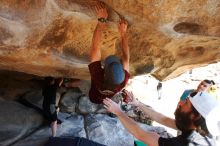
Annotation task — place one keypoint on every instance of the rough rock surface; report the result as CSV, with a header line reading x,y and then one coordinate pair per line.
x,y
29,129
72,126
53,37
17,121
69,101
93,127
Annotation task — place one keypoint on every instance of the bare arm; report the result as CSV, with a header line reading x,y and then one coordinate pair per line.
x,y
150,138
158,117
122,27
154,115
95,52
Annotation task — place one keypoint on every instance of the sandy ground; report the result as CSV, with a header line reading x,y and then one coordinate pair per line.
x,y
144,87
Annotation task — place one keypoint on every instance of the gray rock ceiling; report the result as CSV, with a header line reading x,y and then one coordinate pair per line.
x,y
53,37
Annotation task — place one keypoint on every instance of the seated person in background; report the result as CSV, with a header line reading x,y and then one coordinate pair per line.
x,y
199,109
107,81
203,86
49,101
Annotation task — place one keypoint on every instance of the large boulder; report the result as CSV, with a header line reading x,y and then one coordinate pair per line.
x,y
85,106
72,126
107,130
69,100
33,98
17,121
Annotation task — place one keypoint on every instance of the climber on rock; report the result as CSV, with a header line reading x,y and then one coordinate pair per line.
x,y
106,81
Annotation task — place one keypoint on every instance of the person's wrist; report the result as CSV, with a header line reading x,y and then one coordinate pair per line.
x,y
101,26
119,113
123,34
102,20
